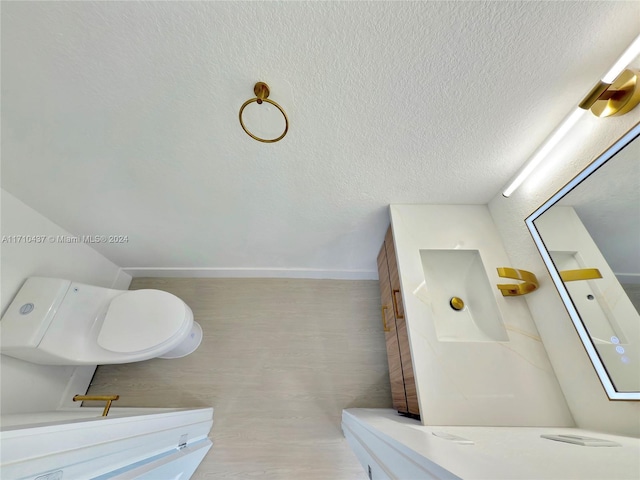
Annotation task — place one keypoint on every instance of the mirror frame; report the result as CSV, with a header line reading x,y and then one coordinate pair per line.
x,y
587,342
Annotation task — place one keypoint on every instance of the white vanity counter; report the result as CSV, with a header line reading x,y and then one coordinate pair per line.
x,y
402,448
484,366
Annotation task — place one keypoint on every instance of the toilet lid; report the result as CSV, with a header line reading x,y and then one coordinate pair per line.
x,y
141,319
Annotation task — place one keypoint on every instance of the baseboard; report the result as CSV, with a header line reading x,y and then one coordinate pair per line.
x,y
78,385
252,273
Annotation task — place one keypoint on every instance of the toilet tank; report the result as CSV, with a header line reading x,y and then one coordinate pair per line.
x,y
29,315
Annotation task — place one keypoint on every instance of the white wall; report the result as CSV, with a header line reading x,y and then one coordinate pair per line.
x,y
585,395
27,387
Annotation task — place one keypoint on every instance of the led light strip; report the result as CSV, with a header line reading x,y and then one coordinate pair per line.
x,y
570,120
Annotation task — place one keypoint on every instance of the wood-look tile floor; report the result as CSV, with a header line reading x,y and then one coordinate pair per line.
x,y
279,361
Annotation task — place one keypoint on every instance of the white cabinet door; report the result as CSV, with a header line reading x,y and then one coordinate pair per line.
x,y
93,447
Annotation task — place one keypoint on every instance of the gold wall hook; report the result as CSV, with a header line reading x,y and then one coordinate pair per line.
x,y
530,282
100,398
580,274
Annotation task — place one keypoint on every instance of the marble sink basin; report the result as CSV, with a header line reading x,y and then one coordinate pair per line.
x,y
461,274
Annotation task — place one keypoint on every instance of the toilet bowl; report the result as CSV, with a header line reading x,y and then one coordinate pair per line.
x,y
57,322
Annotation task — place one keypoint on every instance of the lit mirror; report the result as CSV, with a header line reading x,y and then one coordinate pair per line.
x,y
589,237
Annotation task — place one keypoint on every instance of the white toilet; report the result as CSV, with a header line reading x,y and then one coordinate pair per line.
x,y
56,322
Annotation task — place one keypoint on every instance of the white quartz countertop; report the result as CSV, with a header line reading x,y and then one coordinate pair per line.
x,y
510,453
466,372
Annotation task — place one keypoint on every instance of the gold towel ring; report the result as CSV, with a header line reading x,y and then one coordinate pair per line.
x,y
261,90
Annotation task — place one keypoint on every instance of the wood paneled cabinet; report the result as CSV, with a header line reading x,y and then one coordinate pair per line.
x,y
403,384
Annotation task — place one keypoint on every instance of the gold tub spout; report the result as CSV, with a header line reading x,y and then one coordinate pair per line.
x,y
103,398
530,282
580,274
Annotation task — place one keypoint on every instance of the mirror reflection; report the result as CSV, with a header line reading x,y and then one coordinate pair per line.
x,y
589,236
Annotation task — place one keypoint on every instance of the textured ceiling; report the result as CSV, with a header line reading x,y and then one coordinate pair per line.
x,y
122,117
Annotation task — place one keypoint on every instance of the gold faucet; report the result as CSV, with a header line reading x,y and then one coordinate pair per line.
x,y
580,274
530,282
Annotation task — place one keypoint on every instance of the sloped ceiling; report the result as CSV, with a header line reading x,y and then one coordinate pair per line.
x,y
122,118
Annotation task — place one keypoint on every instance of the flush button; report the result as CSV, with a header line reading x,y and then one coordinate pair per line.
x,y
26,308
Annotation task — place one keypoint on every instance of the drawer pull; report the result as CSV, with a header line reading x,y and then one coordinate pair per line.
x,y
395,304
384,319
